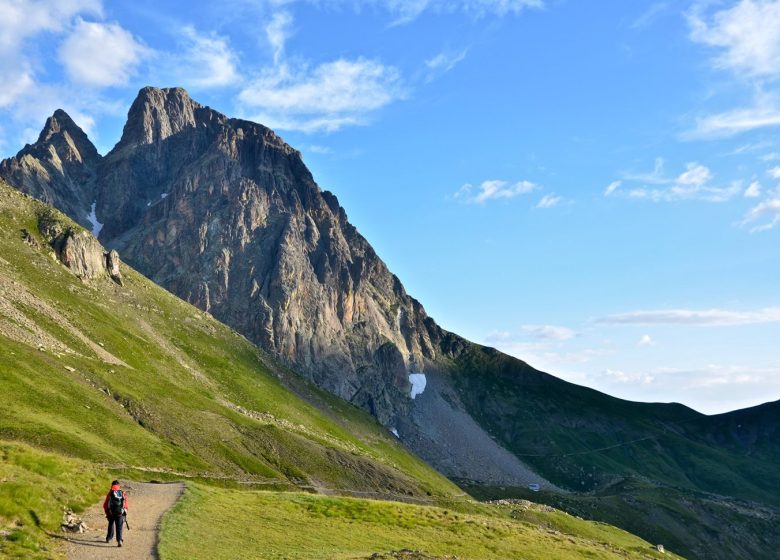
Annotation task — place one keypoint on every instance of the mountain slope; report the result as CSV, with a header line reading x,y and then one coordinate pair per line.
x,y
129,375
100,378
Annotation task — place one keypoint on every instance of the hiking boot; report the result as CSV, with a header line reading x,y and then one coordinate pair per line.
x,y
119,543
108,540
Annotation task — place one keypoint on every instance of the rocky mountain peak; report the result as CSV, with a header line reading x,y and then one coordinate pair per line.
x,y
59,168
66,137
158,113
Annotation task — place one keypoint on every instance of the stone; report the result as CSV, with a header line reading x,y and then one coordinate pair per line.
x,y
112,266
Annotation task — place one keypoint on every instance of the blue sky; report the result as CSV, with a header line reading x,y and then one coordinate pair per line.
x,y
590,186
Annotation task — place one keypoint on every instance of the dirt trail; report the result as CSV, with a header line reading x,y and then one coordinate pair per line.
x,y
148,502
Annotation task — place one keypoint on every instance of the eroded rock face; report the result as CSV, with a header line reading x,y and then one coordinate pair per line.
x,y
231,220
79,251
82,254
112,266
58,169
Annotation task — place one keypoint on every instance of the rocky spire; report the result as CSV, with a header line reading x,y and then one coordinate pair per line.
x,y
58,169
157,114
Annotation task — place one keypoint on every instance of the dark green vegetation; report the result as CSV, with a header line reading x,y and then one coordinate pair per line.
x,y
704,486
99,380
292,525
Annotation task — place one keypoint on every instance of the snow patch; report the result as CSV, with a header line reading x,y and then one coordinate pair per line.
x,y
418,382
92,217
163,195
395,432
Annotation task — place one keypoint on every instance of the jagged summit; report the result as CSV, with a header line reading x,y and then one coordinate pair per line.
x,y
59,168
158,113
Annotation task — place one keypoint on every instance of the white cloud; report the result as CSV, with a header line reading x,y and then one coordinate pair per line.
x,y
695,175
753,190
549,332
620,376
774,172
549,200
654,177
205,60
326,97
21,19
444,62
762,115
317,149
101,54
612,187
646,340
409,10
771,156
708,317
649,16
694,183
278,31
17,80
493,189
748,34
768,211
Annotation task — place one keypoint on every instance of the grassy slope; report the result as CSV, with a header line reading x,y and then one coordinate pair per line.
x,y
130,380
173,402
588,439
234,524
664,472
35,487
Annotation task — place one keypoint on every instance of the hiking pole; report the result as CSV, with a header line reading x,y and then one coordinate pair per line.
x,y
126,523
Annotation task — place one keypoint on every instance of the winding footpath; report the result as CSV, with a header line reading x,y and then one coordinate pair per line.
x,y
148,502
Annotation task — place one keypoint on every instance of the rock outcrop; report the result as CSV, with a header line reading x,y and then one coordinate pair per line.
x,y
78,250
58,169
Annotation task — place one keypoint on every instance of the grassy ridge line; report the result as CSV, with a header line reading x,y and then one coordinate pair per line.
x,y
219,524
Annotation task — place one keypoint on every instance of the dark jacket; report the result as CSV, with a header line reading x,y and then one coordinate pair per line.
x,y
108,496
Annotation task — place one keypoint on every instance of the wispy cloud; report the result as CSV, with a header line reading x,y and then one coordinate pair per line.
x,y
707,317
325,97
405,11
746,36
753,190
747,33
646,340
278,31
649,16
612,187
204,60
763,114
549,332
444,62
764,216
695,182
549,201
493,190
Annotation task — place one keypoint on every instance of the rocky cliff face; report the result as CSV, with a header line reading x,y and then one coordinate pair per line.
x,y
225,214
58,169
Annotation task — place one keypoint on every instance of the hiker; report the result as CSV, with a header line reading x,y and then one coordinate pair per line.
x,y
115,506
